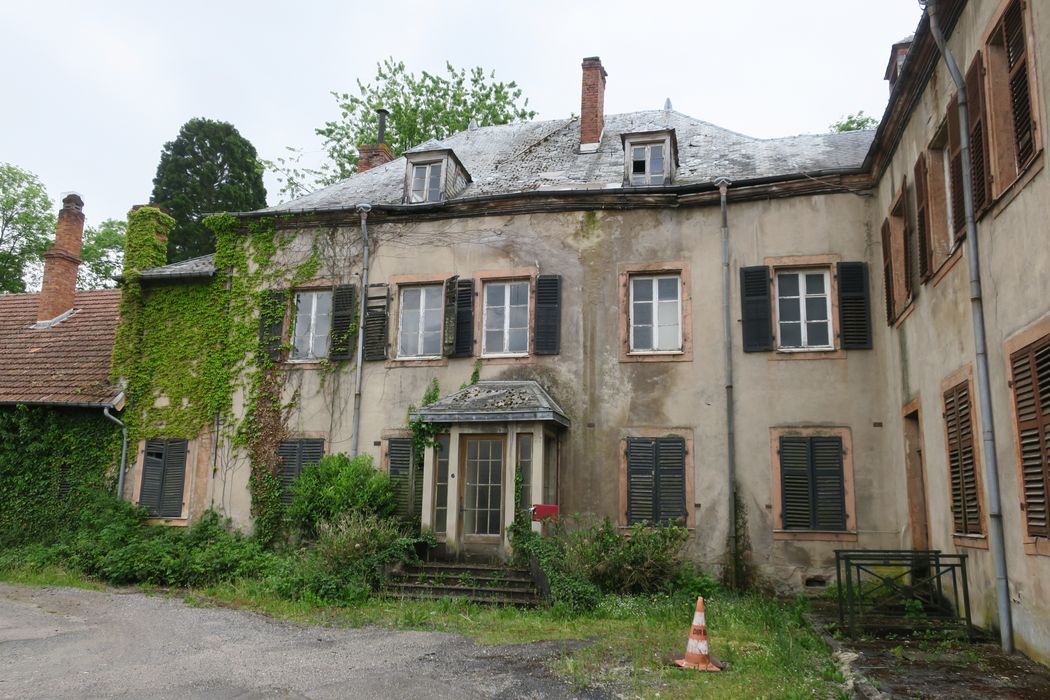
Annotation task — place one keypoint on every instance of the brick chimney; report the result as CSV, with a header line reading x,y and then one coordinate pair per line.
x,y
62,260
371,155
898,53
592,104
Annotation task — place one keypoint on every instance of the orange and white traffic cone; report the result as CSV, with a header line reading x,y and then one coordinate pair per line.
x,y
697,652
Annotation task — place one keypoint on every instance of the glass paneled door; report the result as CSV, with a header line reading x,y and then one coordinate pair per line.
x,y
483,458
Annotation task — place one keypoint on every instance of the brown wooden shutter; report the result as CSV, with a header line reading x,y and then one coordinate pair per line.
x,y
1020,99
922,217
756,309
464,319
854,306
375,323
1031,386
547,338
887,271
272,303
448,335
341,343
976,111
955,169
962,469
641,480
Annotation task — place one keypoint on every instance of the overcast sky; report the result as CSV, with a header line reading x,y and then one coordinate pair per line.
x,y
91,91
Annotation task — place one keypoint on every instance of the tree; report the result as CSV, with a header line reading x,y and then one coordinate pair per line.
x,y
854,122
427,106
102,254
208,168
27,224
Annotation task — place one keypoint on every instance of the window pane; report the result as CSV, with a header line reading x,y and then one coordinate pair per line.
x,y
432,297
431,343
638,153
789,310
643,338
668,288
817,333
638,168
787,284
410,298
656,151
643,289
815,283
494,294
301,341
656,179
432,319
668,313
519,294
409,333
656,166
519,340
519,316
494,318
493,341
323,304
790,335
816,309
668,338
643,314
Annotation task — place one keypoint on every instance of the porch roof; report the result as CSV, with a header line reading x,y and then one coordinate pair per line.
x,y
494,401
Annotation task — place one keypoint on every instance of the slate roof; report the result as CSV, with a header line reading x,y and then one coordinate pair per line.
x,y
204,266
68,363
492,401
544,155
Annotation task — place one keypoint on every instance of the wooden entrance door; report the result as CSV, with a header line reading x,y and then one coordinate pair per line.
x,y
482,460
916,480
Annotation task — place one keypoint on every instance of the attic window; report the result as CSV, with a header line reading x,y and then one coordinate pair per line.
x,y
426,183
648,164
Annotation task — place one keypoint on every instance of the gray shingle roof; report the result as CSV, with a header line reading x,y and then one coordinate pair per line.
x,y
204,266
544,155
494,401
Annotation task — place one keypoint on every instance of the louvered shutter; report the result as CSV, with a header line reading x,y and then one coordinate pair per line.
x,y
152,476
448,336
922,214
670,479
174,479
464,346
958,421
399,455
955,168
641,480
976,111
887,272
271,322
854,306
796,498
377,315
755,309
341,344
289,467
548,315
829,496
1031,386
1020,99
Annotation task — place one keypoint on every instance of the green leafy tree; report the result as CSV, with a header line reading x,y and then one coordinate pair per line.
x,y
102,254
854,122
422,107
27,225
208,168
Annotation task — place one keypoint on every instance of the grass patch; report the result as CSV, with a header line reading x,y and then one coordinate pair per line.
x,y
46,576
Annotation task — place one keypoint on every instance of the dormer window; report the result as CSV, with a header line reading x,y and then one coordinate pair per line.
x,y
650,158
433,174
426,183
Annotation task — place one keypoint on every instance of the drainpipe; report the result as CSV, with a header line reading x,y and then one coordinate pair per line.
x,y
995,515
727,349
363,210
123,449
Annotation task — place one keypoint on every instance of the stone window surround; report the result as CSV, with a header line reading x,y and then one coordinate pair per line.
x,y
965,374
198,451
518,274
687,435
828,262
293,314
396,282
625,272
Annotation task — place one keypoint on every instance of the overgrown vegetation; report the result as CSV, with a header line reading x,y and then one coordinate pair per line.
x,y
338,486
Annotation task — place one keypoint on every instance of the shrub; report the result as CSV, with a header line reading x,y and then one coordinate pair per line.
x,y
646,559
338,485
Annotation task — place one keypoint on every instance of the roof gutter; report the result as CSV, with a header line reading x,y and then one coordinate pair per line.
x,y
988,445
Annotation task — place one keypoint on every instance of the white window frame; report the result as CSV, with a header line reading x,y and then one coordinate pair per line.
x,y
311,352
419,330
427,182
647,144
506,318
677,276
802,296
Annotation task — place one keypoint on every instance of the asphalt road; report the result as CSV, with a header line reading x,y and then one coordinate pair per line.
x,y
64,642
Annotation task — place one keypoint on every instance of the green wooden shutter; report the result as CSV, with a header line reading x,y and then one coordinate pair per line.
x,y
796,496
376,320
641,480
174,479
829,494
448,335
464,319
399,454
755,309
152,476
548,315
341,343
854,306
1031,385
271,322
670,479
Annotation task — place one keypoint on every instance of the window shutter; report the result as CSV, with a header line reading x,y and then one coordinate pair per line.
x,y
976,111
377,316
854,306
922,213
448,336
464,319
399,454
796,498
290,468
887,271
1020,100
341,344
670,479
641,480
271,322
955,167
1031,385
174,478
829,494
958,421
755,309
548,315
152,476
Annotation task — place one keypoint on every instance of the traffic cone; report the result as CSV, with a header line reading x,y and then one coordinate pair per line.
x,y
697,653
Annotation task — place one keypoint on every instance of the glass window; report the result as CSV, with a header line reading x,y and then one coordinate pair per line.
x,y
419,322
525,466
647,164
426,183
803,309
313,321
656,314
441,448
506,318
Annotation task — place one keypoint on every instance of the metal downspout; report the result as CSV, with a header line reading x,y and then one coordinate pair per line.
x,y
988,451
363,210
727,348
123,449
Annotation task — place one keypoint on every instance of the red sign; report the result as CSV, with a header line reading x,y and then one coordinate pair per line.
x,y
542,512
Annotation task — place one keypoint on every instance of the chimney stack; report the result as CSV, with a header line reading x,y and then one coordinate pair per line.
x,y
62,261
592,104
370,155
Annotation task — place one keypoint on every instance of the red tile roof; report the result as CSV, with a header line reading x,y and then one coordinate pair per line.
x,y
66,364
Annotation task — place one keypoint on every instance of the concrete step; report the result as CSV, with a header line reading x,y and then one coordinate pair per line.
x,y
487,596
479,583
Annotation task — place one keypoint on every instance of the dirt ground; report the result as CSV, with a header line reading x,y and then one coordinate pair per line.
x,y
63,642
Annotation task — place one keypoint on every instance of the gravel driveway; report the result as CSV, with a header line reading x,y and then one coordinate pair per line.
x,y
64,642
